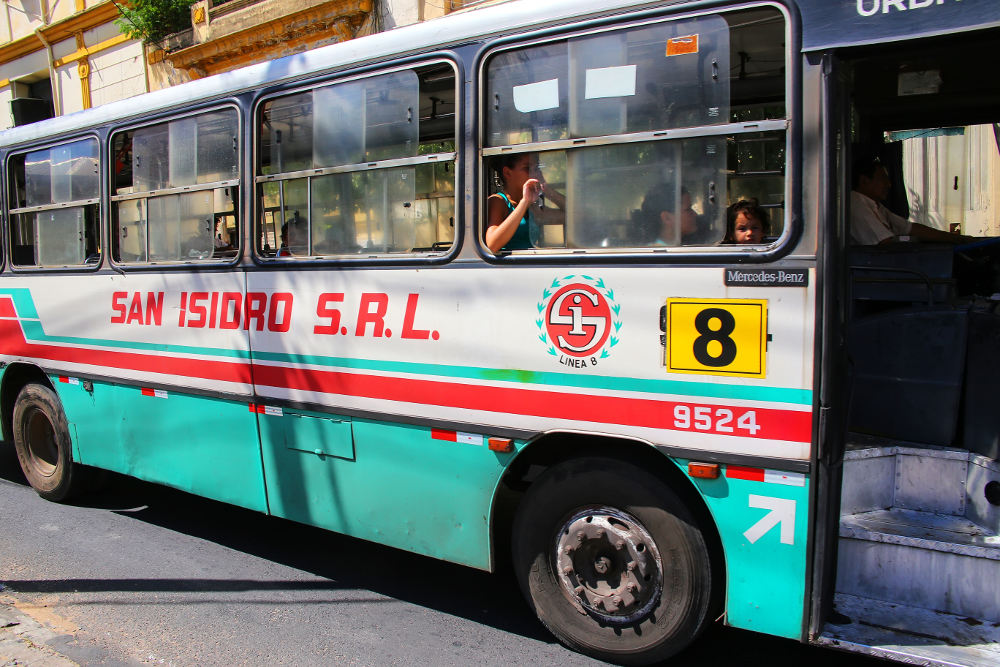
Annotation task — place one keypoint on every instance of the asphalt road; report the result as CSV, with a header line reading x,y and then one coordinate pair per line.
x,y
141,574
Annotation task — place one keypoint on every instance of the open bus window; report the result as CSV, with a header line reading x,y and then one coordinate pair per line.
x,y
359,168
643,135
55,195
175,185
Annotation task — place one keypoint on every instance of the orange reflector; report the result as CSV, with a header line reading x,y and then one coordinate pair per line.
x,y
704,470
504,445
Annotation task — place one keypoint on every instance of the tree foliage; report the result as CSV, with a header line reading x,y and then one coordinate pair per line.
x,y
152,20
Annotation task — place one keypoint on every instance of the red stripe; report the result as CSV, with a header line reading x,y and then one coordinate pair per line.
x,y
7,308
742,472
438,434
148,392
12,342
63,379
774,424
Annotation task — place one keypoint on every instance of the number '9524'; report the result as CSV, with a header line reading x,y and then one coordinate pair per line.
x,y
712,419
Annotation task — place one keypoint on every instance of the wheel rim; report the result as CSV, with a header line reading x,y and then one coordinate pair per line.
x,y
608,565
43,452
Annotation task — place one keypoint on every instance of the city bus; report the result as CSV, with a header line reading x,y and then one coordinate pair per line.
x,y
273,288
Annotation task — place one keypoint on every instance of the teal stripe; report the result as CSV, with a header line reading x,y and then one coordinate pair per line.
x,y
22,301
34,331
679,387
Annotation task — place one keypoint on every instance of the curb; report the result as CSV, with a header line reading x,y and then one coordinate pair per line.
x,y
24,641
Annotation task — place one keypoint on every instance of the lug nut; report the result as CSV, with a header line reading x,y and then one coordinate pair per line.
x,y
568,570
619,545
600,532
617,600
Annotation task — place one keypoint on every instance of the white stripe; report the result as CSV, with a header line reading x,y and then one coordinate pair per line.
x,y
786,478
272,410
159,393
469,439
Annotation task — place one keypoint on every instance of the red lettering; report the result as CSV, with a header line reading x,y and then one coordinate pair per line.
x,y
254,309
233,322
198,312
118,307
323,309
366,315
180,317
273,324
135,309
411,313
154,308
213,310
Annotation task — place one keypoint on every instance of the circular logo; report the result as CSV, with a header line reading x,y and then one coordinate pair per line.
x,y
578,320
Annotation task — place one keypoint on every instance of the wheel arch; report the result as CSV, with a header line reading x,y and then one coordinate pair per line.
x,y
15,377
559,446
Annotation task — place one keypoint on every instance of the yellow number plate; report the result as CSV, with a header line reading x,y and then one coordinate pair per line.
x,y
717,337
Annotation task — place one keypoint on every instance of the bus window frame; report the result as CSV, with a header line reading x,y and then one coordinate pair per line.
x,y
716,254
412,63
20,151
162,119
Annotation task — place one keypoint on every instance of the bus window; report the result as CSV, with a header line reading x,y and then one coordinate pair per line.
x,y
175,185
643,135
344,182
55,201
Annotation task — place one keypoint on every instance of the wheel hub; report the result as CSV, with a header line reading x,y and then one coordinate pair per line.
x,y
608,565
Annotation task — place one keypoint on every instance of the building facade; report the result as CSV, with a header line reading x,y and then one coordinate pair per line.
x,y
61,56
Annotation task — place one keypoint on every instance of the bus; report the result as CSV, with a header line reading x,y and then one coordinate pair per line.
x,y
273,288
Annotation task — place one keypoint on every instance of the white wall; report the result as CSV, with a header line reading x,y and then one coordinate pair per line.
x,y
117,73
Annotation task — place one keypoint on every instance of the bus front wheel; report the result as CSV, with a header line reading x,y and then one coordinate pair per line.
x,y
41,438
612,561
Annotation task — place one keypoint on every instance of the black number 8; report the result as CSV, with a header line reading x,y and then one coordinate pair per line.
x,y
727,325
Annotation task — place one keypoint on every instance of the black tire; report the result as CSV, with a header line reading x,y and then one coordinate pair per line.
x,y
578,559
44,448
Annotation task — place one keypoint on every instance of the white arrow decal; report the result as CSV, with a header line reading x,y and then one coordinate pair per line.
x,y
782,512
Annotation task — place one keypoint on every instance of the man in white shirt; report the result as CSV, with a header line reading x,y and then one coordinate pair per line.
x,y
873,224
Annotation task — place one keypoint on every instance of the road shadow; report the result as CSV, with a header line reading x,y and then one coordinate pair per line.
x,y
492,600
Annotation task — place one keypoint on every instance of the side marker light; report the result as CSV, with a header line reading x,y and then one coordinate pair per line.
x,y
503,445
704,470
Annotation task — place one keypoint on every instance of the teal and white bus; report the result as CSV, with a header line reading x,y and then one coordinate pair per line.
x,y
272,287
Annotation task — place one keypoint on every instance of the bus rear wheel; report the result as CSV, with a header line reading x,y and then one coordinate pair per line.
x,y
44,449
612,561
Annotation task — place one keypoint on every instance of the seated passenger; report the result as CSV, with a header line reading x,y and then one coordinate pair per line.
x,y
746,222
659,213
874,224
293,237
507,210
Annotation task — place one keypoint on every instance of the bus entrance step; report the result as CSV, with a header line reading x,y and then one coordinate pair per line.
x,y
910,634
923,559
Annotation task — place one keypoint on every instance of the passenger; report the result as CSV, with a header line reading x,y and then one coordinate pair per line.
x,y
660,216
746,222
293,238
507,210
874,224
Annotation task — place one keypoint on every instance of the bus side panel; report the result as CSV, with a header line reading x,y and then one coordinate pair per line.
x,y
206,446
761,516
409,487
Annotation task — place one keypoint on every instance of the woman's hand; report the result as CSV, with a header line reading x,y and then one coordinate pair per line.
x,y
531,191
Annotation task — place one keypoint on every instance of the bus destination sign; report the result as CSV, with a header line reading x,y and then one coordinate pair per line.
x,y
833,23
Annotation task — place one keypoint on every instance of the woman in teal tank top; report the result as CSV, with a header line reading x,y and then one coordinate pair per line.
x,y
507,211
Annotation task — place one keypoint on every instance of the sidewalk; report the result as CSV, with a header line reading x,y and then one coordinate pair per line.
x,y
24,640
